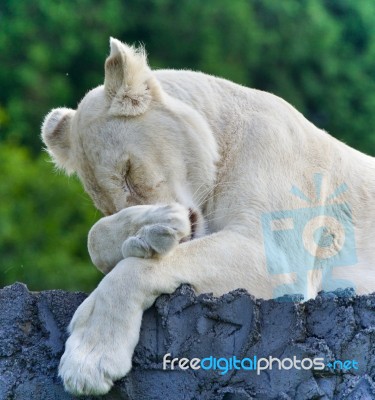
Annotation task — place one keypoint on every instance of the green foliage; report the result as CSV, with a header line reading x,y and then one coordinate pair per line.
x,y
44,218
317,54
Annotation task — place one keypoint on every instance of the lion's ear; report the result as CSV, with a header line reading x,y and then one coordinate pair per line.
x,y
56,130
129,84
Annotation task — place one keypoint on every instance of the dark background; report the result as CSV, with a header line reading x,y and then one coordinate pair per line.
x,y
317,54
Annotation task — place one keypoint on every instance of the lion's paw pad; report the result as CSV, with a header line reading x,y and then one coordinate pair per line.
x,y
151,240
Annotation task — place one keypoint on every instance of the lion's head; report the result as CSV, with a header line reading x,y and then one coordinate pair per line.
x,y
131,143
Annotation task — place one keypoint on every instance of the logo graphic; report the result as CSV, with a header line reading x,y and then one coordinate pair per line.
x,y
305,239
225,365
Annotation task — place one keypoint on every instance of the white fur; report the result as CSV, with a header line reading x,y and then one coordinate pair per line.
x,y
56,135
194,142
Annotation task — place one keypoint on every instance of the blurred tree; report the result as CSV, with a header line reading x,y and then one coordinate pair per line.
x,y
317,54
44,223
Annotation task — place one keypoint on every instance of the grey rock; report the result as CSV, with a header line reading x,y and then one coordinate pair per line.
x,y
335,325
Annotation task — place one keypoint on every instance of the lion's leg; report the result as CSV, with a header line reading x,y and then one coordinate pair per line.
x,y
105,328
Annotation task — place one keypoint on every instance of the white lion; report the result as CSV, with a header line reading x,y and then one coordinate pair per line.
x,y
171,156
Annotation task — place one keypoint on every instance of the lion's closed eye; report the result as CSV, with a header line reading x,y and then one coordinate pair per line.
x,y
133,187
126,182
128,186
139,181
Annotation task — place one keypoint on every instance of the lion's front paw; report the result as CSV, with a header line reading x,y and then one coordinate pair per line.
x,y
98,351
159,238
90,371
